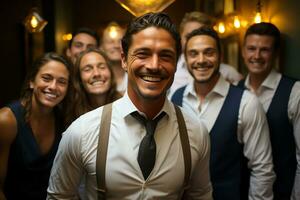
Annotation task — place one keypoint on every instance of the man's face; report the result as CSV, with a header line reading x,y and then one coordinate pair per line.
x,y
80,42
111,45
188,28
259,54
203,59
150,63
94,73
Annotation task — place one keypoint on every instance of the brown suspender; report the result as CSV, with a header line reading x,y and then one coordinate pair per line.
x,y
102,151
103,144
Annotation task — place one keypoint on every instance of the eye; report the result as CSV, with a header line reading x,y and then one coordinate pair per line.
x,y
210,52
62,81
192,53
142,55
47,78
78,44
167,56
251,48
86,68
102,66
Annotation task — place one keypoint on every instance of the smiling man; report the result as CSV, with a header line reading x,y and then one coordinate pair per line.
x,y
280,98
154,150
240,145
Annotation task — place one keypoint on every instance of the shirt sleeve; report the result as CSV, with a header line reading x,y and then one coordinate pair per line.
x,y
253,132
294,115
200,185
67,169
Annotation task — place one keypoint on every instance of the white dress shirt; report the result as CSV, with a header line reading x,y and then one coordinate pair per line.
x,y
252,131
122,87
265,95
124,180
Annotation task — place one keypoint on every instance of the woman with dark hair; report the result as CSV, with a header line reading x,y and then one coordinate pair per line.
x,y
30,130
94,83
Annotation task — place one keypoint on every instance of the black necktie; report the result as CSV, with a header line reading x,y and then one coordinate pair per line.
x,y
147,150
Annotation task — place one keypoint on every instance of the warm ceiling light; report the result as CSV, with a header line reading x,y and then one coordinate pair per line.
x,y
221,27
236,22
114,30
258,17
34,22
140,7
67,37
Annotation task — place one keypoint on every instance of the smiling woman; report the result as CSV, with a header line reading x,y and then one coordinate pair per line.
x,y
94,84
30,130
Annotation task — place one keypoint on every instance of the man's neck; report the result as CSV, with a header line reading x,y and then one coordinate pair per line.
x,y
255,80
203,88
151,107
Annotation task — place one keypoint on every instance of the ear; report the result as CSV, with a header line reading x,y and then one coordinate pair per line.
x,y
68,52
243,51
31,85
124,61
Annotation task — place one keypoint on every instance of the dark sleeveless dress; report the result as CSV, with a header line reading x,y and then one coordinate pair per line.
x,y
28,170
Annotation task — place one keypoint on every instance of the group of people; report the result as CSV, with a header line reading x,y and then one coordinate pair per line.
x,y
213,135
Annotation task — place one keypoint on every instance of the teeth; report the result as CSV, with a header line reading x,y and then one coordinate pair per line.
x,y
50,95
98,83
151,78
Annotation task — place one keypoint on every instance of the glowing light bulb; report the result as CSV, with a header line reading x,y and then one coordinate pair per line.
x,y
113,33
236,22
67,37
221,27
33,22
257,18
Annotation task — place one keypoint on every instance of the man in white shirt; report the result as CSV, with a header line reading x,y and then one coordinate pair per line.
x,y
235,119
150,46
280,97
190,22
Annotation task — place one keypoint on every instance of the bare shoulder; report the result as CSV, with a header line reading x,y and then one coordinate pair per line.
x,y
8,126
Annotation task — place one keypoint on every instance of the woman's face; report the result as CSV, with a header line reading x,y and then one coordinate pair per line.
x,y
50,84
95,74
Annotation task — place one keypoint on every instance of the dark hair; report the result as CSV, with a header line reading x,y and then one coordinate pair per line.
x,y
27,92
159,20
78,98
205,30
265,28
85,30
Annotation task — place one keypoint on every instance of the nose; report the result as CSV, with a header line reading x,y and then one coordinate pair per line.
x,y
257,53
96,72
200,58
52,84
153,63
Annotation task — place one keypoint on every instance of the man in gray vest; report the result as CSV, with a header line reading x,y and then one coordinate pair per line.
x,y
146,151
235,120
280,97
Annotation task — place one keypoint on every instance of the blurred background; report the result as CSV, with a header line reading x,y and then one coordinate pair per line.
x,y
20,46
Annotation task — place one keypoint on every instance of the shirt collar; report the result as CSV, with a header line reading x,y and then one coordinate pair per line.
x,y
270,82
220,88
128,107
181,62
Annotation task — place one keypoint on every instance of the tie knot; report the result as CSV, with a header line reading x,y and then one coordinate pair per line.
x,y
149,124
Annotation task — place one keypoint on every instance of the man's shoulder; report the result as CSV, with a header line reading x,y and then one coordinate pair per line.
x,y
194,125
